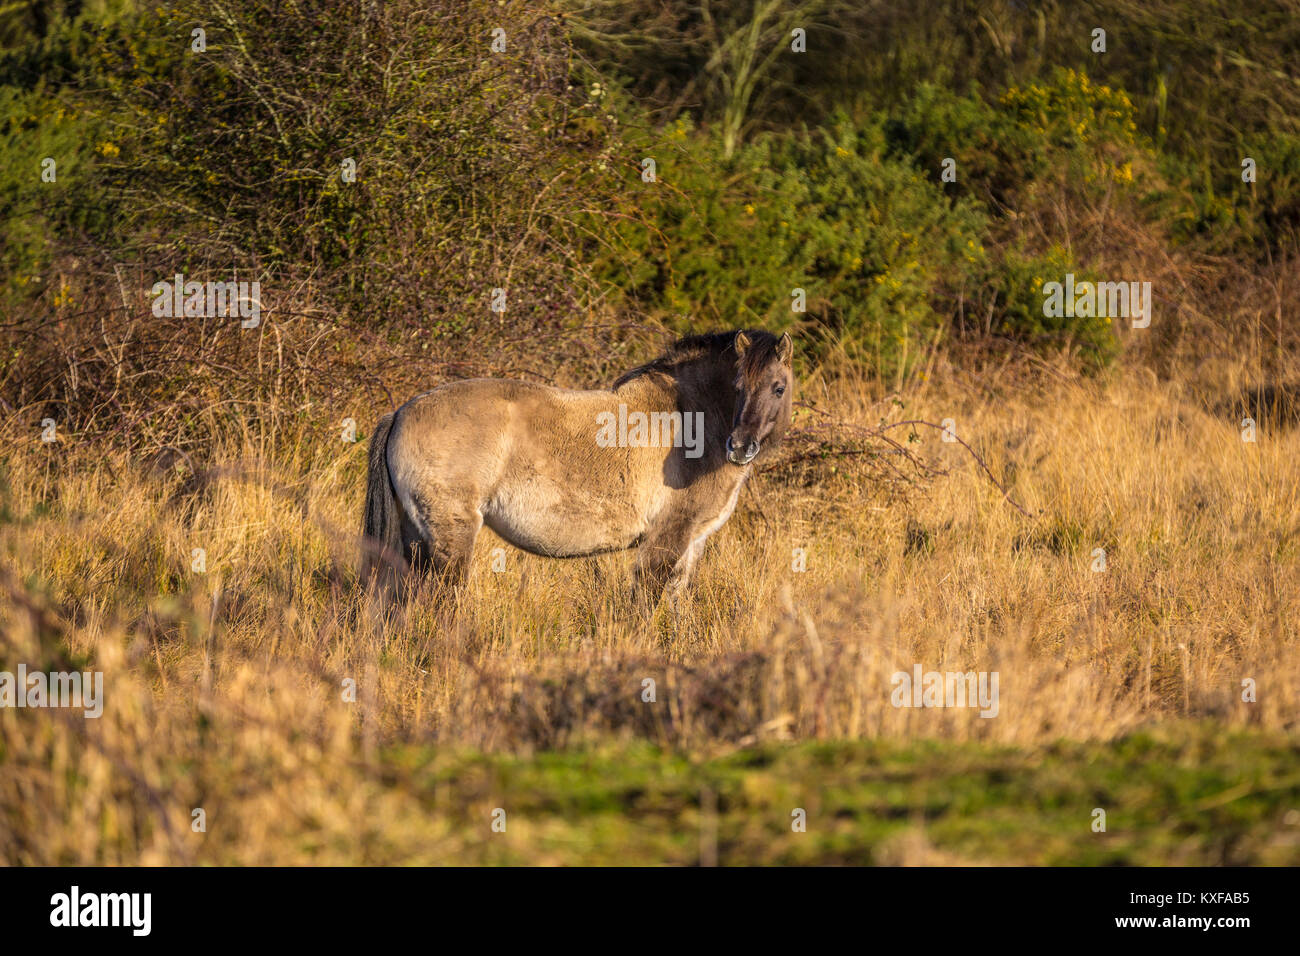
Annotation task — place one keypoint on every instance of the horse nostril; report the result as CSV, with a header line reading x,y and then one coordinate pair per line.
x,y
730,447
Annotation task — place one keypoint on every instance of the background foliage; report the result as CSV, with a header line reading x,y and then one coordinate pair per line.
x,y
521,169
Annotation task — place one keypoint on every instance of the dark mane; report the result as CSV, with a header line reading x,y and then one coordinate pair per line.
x,y
709,346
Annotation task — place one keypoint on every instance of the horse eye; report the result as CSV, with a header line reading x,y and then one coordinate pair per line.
x,y
779,389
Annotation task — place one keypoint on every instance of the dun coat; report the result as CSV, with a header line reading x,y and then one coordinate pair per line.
x,y
655,463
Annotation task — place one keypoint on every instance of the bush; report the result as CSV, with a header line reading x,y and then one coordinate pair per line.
x,y
856,215
227,163
466,160
1014,294
38,127
871,242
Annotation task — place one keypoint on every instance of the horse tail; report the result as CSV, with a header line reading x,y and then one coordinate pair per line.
x,y
381,526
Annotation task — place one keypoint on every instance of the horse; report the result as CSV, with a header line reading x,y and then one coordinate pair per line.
x,y
655,463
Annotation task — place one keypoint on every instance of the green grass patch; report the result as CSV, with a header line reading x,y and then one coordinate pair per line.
x,y
1190,794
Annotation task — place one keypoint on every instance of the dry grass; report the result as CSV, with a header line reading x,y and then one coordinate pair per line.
x,y
225,688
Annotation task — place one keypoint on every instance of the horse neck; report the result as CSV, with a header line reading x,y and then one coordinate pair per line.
x,y
707,385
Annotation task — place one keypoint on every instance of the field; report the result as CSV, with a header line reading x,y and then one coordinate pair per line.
x,y
1021,585
1121,689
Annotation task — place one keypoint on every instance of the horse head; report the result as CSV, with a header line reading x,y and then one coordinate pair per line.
x,y
764,385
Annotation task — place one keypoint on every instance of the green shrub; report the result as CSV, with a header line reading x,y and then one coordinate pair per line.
x,y
1240,218
1064,131
994,154
856,215
1067,136
467,161
870,240
32,129
1014,293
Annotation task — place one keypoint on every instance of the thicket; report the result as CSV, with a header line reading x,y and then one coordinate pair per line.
x,y
504,147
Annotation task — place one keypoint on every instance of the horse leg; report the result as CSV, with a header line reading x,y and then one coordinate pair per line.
x,y
413,546
664,560
452,546
680,577
442,539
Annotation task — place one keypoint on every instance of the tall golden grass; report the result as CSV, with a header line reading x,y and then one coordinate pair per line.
x,y
226,689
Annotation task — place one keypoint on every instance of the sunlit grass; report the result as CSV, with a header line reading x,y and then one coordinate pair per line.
x,y
226,687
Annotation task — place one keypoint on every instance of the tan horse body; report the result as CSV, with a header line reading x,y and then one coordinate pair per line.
x,y
656,463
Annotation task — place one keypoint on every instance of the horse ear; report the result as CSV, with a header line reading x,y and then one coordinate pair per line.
x,y
741,342
785,349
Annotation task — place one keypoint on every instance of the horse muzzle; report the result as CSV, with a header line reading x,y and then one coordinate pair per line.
x,y
739,456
